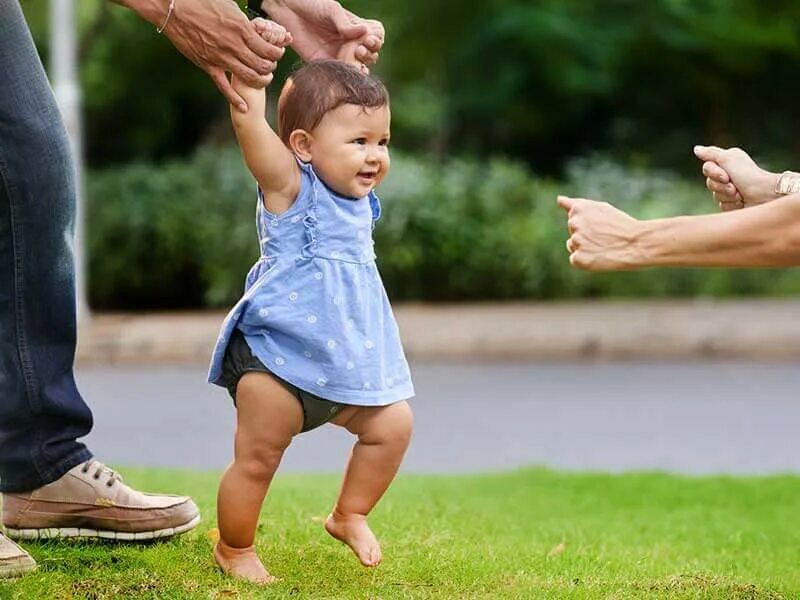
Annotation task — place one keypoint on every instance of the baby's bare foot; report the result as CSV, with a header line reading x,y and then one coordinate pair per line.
x,y
242,563
354,531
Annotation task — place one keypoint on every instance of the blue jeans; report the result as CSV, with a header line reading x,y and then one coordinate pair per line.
x,y
42,414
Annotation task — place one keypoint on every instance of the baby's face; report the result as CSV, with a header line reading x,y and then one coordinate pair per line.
x,y
350,148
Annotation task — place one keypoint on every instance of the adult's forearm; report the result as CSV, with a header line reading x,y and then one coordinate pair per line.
x,y
762,236
154,11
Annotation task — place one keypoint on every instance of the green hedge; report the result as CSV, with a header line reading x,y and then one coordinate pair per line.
x,y
182,235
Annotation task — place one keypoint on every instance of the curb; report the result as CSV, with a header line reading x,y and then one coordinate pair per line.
x,y
692,329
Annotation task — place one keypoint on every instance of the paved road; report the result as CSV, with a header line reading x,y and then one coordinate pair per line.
x,y
692,418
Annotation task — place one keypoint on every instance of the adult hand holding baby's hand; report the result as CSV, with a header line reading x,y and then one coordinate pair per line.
x,y
275,35
323,29
217,37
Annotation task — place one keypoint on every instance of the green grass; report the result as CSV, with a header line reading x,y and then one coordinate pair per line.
x,y
477,536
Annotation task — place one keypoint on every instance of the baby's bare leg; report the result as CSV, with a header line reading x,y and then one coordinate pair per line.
x,y
267,417
383,436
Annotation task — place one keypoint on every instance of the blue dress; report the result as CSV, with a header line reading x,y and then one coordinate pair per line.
x,y
315,311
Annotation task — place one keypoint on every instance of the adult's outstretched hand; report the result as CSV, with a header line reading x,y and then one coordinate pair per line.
x,y
600,235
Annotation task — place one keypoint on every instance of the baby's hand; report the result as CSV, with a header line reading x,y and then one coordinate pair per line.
x,y
273,34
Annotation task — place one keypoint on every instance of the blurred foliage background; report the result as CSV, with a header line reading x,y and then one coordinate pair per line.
x,y
497,106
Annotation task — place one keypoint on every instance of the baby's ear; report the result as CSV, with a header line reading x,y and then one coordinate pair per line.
x,y
301,143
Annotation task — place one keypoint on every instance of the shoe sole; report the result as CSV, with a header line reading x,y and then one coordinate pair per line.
x,y
82,532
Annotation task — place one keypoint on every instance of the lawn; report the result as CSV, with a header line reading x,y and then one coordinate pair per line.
x,y
523,534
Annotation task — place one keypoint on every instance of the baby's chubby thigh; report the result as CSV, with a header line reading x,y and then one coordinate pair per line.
x,y
268,417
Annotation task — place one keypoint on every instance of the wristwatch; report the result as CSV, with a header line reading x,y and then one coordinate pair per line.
x,y
788,183
254,10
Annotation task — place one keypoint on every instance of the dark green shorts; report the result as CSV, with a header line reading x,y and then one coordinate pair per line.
x,y
239,360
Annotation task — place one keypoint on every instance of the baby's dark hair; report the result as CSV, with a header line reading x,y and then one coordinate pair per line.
x,y
319,87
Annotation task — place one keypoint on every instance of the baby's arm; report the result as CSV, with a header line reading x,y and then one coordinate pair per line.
x,y
269,160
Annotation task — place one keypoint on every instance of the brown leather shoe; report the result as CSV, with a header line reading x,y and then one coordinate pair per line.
x,y
92,501
14,561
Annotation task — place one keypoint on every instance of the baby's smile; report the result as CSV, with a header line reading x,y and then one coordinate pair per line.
x,y
367,177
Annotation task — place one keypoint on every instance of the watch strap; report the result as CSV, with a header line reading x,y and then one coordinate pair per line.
x,y
254,10
788,183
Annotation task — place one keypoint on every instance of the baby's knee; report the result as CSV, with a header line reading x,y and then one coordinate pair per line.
x,y
261,462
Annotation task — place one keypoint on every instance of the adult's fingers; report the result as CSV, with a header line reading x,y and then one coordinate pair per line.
x,y
708,153
728,201
247,59
566,202
723,189
224,86
728,205
249,76
714,171
262,49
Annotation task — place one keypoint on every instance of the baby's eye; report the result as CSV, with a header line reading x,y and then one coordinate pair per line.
x,y
384,142
360,141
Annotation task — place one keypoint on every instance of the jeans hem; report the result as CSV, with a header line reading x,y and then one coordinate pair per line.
x,y
32,482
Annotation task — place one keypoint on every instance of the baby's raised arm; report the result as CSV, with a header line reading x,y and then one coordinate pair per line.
x,y
269,160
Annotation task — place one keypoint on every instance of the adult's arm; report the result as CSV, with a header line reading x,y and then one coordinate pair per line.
x,y
603,238
217,37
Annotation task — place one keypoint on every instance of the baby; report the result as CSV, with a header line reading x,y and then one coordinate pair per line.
x,y
313,339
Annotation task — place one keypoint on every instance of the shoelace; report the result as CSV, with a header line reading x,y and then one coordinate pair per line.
x,y
99,470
